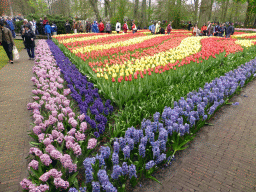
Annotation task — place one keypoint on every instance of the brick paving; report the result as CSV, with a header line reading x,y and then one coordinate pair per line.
x,y
15,93
222,157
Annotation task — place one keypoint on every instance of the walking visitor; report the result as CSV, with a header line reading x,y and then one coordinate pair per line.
x,y
6,40
29,40
48,30
118,27
67,27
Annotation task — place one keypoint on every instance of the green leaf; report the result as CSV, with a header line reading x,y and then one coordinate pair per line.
x,y
153,178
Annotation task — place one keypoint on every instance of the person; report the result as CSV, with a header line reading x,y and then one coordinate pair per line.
x,y
44,22
158,27
216,29
29,37
153,28
74,26
221,30
6,40
169,28
118,27
229,30
41,26
67,27
189,25
95,28
54,29
33,24
210,30
161,30
80,27
125,27
88,27
204,30
48,30
196,31
101,27
232,28
134,28
108,27
11,26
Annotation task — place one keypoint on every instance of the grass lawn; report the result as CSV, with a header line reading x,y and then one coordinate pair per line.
x,y
4,59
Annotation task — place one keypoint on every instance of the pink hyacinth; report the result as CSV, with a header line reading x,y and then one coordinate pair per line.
x,y
92,143
36,151
60,126
69,138
83,126
60,183
69,144
43,188
55,154
72,114
25,183
47,141
41,102
33,164
66,92
41,137
49,148
66,103
60,116
54,113
64,110
37,130
54,173
80,136
44,177
72,132
55,134
81,117
36,98
69,110
73,123
46,160
77,149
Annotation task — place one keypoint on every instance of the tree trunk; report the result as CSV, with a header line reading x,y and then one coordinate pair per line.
x,y
225,10
248,13
176,22
210,11
136,8
143,14
94,4
205,10
196,10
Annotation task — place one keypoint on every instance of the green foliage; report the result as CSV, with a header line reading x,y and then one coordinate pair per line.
x,y
39,6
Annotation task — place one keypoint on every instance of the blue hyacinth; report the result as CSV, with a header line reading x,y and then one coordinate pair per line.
x,y
126,151
117,171
82,189
142,150
88,175
125,169
116,147
95,186
149,165
105,152
115,158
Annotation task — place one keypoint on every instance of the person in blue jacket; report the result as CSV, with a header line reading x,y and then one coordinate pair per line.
x,y
11,26
95,28
48,30
54,28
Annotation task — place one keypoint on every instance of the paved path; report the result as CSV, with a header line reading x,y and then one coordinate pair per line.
x,y
15,93
221,158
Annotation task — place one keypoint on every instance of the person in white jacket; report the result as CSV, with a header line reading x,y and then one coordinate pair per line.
x,y
118,27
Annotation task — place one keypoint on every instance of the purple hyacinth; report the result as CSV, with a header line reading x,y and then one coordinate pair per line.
x,y
126,151
149,165
95,186
115,158
125,169
132,171
142,150
122,142
117,171
105,152
116,147
88,175
130,143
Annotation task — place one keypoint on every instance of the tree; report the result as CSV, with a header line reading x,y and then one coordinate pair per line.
x,y
143,14
136,9
94,4
121,10
205,9
39,6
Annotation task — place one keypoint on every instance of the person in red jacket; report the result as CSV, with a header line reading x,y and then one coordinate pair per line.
x,y
101,27
125,27
134,28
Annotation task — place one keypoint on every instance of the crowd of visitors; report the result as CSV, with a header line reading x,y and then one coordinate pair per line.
x,y
213,29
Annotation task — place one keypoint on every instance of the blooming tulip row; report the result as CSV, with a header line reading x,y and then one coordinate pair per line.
x,y
77,35
245,36
140,151
83,92
132,41
58,130
107,39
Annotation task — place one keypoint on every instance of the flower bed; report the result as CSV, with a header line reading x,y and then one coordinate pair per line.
x,y
60,132
142,150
